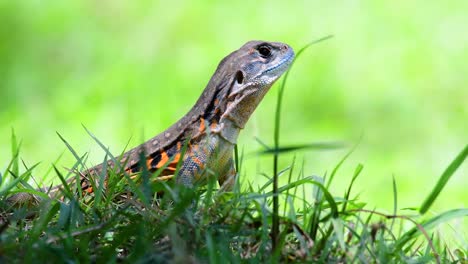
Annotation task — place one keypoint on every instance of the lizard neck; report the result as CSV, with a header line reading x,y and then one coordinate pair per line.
x,y
239,107
228,131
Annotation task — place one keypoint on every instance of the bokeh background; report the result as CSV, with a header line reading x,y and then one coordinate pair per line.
x,y
394,78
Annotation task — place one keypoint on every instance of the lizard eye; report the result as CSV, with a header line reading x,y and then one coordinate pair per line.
x,y
264,51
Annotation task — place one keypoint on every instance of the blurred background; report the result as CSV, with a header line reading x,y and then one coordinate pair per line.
x,y
393,78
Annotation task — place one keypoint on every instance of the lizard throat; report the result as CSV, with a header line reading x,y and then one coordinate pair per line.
x,y
229,131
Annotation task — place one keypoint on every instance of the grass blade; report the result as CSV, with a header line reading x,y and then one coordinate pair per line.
x,y
310,146
348,192
5,189
15,153
395,201
443,180
117,165
429,224
335,170
69,147
275,224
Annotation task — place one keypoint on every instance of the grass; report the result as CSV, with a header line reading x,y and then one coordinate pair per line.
x,y
125,223
298,221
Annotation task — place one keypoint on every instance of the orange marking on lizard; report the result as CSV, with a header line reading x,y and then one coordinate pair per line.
x,y
164,159
179,146
176,158
169,169
148,162
214,124
197,161
202,124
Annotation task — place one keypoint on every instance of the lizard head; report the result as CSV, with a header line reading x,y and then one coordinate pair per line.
x,y
260,63
252,70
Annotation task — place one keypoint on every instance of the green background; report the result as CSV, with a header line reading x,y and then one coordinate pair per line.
x,y
394,74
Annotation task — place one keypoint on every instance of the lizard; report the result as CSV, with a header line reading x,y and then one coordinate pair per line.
x,y
210,128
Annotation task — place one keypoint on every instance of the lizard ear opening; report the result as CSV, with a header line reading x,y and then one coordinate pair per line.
x,y
239,77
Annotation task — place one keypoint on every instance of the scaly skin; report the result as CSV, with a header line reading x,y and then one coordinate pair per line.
x,y
211,127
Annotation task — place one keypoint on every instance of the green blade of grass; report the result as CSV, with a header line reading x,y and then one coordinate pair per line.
x,y
430,224
76,176
310,146
69,147
51,168
31,191
289,181
326,193
15,152
395,201
317,195
98,190
449,171
13,164
348,192
236,158
145,177
263,144
41,223
338,227
275,224
117,165
17,180
270,180
67,191
335,170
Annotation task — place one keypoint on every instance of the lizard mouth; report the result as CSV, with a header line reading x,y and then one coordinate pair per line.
x,y
283,64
